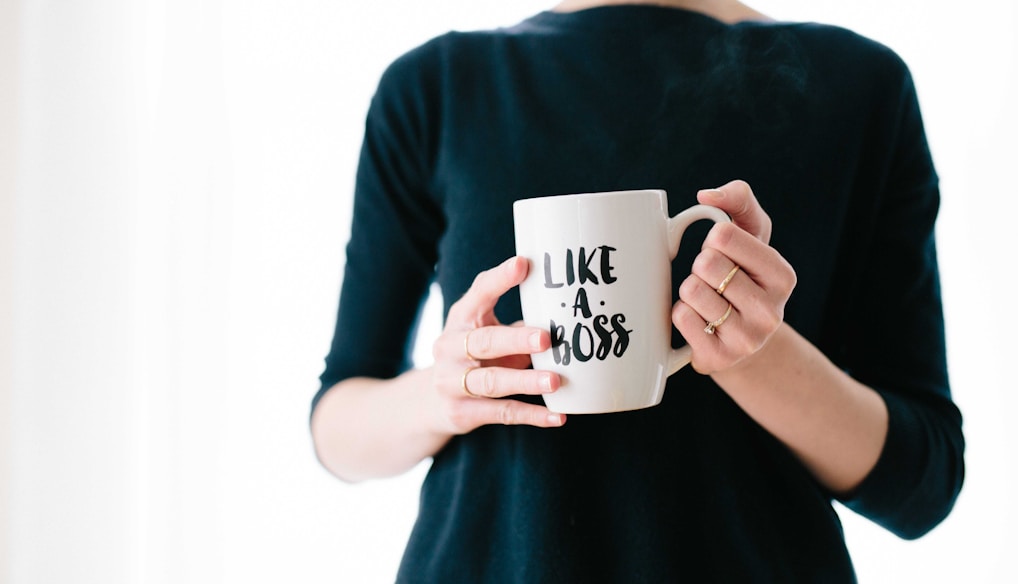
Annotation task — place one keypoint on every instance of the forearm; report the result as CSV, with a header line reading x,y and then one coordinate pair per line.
x,y
368,428
834,424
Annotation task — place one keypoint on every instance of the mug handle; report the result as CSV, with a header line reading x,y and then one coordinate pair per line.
x,y
679,358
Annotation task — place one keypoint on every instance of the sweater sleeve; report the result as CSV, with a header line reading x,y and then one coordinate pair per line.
x,y
391,253
896,343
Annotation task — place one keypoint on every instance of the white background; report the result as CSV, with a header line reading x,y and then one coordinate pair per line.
x,y
175,184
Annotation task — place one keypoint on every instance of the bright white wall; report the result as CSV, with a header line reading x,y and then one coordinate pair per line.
x,y
175,195
8,167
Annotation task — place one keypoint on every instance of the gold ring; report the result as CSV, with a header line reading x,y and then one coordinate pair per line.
x,y
463,382
466,347
728,280
711,326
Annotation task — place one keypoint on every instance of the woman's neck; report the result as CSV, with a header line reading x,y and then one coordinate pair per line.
x,y
730,11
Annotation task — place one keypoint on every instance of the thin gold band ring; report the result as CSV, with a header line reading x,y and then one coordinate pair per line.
x,y
466,347
728,280
712,326
463,382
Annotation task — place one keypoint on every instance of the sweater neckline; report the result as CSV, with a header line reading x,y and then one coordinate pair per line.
x,y
624,16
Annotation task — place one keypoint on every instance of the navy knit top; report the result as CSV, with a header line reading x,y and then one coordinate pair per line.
x,y
824,125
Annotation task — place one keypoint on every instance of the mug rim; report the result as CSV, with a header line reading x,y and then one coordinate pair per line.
x,y
596,194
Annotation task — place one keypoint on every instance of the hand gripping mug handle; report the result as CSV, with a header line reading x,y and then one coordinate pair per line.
x,y
679,358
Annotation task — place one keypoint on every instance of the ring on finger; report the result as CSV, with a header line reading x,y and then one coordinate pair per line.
x,y
466,347
711,326
463,382
728,280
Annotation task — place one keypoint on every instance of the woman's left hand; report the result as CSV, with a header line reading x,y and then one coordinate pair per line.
x,y
756,291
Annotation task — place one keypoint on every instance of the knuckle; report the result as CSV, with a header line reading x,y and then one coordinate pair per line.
x,y
484,342
678,311
447,382
507,413
520,341
707,262
537,382
766,317
742,186
479,280
489,382
744,344
459,415
686,319
721,235
790,280
436,348
688,287
678,315
755,343
455,310
771,319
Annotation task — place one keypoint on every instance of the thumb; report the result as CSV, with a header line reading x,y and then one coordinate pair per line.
x,y
737,199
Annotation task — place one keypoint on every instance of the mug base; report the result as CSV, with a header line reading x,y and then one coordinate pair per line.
x,y
581,409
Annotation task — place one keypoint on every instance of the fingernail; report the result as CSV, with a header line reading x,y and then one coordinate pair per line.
x,y
715,193
555,419
535,340
546,383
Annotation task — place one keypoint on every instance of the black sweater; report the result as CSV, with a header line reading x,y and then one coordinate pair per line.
x,y
824,125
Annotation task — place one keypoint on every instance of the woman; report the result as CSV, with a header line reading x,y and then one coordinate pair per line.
x,y
839,391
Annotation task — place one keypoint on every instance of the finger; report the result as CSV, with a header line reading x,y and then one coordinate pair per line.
x,y
737,199
759,290
491,342
478,302
706,348
714,267
754,317
707,303
762,263
731,340
480,412
511,362
494,382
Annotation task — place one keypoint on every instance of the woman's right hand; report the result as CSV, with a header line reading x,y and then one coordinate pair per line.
x,y
367,427
478,360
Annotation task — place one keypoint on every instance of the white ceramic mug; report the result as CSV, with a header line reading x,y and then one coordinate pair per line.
x,y
600,282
